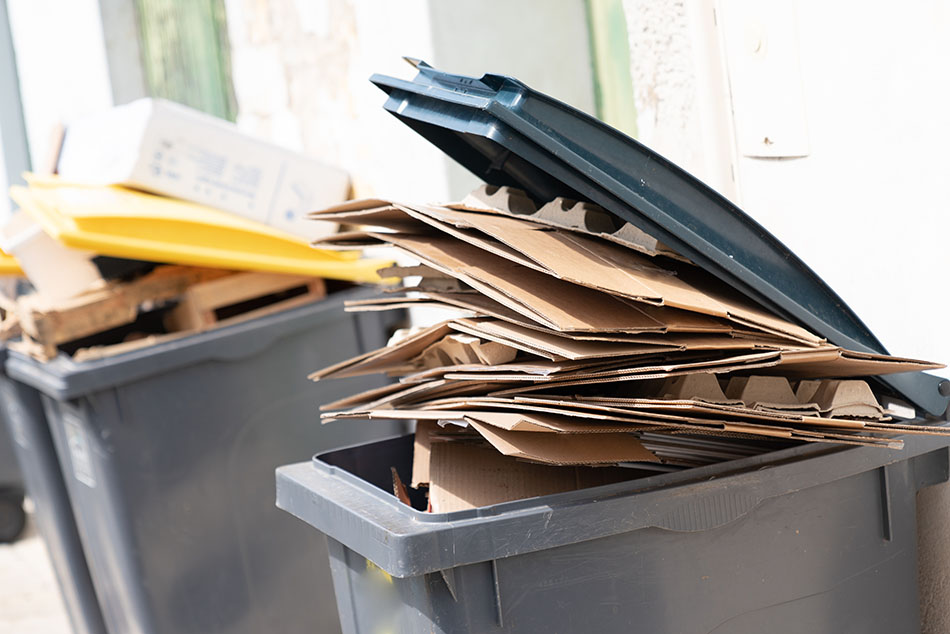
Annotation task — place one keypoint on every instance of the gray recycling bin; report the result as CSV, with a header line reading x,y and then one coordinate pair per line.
x,y
807,539
12,514
169,455
22,410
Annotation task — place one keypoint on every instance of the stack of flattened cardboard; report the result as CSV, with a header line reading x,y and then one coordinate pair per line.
x,y
583,343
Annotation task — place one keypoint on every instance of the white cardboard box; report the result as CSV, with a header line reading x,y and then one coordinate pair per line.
x,y
166,148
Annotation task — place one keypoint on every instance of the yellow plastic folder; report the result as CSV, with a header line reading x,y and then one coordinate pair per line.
x,y
9,265
127,223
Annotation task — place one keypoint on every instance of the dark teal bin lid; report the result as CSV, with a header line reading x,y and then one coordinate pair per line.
x,y
507,134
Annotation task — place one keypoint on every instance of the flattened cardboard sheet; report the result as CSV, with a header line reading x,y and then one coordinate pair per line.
x,y
555,304
566,449
591,263
421,452
377,360
646,411
467,475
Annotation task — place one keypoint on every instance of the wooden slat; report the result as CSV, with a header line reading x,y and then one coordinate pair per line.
x,y
113,305
198,304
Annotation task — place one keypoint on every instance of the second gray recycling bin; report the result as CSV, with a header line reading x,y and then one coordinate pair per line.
x,y
806,539
53,512
12,515
169,454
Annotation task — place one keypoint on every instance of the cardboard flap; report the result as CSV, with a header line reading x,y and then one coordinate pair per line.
x,y
566,449
466,475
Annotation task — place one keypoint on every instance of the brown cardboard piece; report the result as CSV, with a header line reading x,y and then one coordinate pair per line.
x,y
670,320
545,251
508,200
834,362
376,360
770,393
693,417
566,449
347,241
538,422
697,386
805,390
434,285
469,475
847,399
598,265
829,361
519,370
561,304
410,271
549,343
421,452
371,213
612,269
641,410
682,420
458,348
552,303
392,303
360,398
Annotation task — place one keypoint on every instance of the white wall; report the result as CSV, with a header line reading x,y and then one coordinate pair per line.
x,y
6,205
61,59
865,207
301,70
679,88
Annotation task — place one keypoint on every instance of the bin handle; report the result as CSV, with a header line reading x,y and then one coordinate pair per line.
x,y
711,511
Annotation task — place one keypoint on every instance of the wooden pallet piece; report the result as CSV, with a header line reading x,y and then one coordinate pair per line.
x,y
198,305
106,351
52,323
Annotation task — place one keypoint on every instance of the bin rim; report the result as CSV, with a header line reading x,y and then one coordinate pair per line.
x,y
510,135
405,542
63,378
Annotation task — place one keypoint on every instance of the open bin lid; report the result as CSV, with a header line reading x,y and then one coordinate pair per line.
x,y
510,135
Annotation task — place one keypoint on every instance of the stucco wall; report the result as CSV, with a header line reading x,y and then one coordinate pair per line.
x,y
301,70
865,206
679,88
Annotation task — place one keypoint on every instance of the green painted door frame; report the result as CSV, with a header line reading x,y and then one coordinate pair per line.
x,y
186,55
610,53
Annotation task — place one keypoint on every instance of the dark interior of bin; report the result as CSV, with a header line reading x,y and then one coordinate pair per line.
x,y
373,462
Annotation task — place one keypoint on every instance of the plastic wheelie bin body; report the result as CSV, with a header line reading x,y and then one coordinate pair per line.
x,y
169,455
806,539
23,413
12,514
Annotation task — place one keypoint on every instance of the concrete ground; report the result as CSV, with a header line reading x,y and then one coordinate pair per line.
x,y
29,597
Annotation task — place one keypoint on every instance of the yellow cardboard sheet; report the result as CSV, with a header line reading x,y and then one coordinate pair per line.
x,y
121,222
9,265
